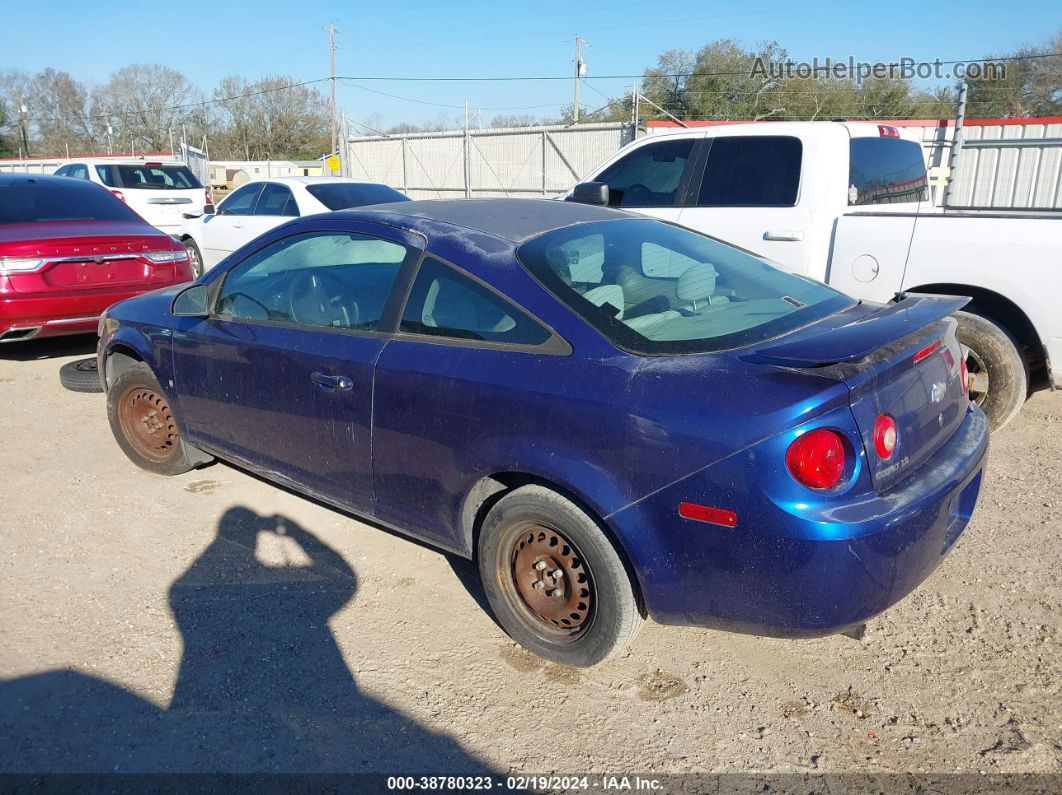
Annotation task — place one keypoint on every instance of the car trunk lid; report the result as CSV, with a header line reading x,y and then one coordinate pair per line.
x,y
902,361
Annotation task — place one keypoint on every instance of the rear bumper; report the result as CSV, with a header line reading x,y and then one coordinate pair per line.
x,y
28,316
789,571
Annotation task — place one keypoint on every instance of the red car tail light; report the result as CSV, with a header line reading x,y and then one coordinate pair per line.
x,y
208,196
885,436
816,459
927,351
118,195
704,513
964,377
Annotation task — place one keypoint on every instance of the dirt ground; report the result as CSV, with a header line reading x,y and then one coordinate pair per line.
x,y
212,621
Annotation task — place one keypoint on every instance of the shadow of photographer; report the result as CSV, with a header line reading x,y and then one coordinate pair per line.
x,y
262,685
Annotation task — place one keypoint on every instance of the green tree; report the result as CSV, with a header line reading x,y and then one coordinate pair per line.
x,y
1030,86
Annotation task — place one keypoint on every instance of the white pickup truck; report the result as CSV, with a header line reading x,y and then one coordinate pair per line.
x,y
847,203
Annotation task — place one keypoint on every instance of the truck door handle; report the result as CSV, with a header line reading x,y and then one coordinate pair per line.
x,y
783,234
332,381
237,224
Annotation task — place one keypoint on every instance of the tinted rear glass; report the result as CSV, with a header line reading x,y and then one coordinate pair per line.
x,y
751,171
148,177
651,287
885,171
30,202
340,195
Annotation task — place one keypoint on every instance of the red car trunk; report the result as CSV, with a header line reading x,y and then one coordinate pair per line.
x,y
68,250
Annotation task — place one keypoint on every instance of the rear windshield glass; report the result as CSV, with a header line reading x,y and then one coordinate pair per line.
x,y
29,202
885,171
148,177
651,287
340,195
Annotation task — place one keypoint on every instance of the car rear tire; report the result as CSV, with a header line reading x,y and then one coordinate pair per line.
x,y
997,372
143,424
81,376
195,257
554,580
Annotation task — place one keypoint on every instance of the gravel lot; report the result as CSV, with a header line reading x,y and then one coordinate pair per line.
x,y
212,621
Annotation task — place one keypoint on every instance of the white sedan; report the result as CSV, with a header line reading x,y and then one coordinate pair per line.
x,y
256,207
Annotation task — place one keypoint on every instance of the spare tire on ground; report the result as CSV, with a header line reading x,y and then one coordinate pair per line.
x,y
81,376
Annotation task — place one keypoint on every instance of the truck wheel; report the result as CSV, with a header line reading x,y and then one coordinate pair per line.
x,y
998,375
555,581
142,423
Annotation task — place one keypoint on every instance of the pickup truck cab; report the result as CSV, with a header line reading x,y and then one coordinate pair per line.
x,y
847,204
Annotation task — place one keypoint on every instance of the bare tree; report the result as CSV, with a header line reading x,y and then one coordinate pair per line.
x,y
271,118
147,106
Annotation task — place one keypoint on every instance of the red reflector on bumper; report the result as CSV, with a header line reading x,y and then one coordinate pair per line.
x,y
702,513
927,351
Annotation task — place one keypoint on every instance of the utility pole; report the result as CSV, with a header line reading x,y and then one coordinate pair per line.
x,y
22,123
332,77
956,146
580,70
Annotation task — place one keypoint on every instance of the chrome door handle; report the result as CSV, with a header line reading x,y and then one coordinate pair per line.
x,y
332,381
783,234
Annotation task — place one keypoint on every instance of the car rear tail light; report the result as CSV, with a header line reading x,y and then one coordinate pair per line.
x,y
929,350
703,513
208,196
816,459
167,256
885,436
887,131
964,377
13,265
118,194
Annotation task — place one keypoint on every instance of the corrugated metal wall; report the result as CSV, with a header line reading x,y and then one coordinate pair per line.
x,y
532,161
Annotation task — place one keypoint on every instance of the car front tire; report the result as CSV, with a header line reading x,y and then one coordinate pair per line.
x,y
554,579
143,424
195,257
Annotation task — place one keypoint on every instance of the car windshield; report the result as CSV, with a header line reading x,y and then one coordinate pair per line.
x,y
32,201
340,195
654,288
148,176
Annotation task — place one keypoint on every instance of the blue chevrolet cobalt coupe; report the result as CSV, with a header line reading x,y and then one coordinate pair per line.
x,y
614,416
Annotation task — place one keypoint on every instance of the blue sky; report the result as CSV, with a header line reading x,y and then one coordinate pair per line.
x,y
417,38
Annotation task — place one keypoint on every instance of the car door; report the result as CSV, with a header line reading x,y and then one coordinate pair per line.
x,y
280,375
223,231
746,191
652,178
275,206
436,382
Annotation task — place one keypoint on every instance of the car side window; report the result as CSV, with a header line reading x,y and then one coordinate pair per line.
x,y
241,202
75,170
106,174
276,200
444,303
649,176
751,171
317,279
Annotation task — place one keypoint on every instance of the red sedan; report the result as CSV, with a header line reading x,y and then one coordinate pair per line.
x,y
68,250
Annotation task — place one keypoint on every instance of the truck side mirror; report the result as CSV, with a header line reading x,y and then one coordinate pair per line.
x,y
595,193
208,209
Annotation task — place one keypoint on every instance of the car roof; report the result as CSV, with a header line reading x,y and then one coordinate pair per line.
x,y
24,177
315,181
514,220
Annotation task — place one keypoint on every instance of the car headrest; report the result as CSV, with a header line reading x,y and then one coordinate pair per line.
x,y
696,282
611,294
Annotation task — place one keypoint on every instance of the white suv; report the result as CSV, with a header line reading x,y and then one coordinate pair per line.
x,y
159,191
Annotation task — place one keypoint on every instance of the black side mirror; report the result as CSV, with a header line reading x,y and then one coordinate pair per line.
x,y
193,301
209,209
595,193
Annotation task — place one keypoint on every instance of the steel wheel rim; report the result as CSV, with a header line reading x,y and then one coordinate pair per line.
x,y
976,374
546,582
147,423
